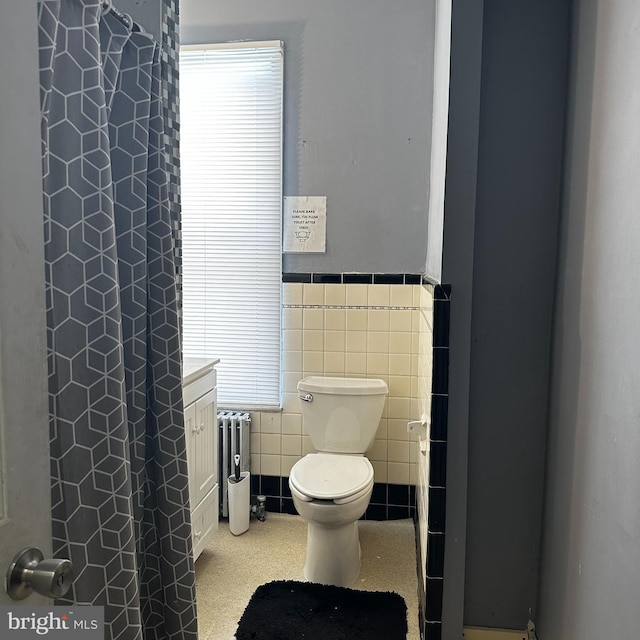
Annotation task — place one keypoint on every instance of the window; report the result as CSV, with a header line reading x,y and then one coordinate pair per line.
x,y
231,169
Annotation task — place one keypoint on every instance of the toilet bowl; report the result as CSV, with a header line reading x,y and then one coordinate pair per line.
x,y
331,489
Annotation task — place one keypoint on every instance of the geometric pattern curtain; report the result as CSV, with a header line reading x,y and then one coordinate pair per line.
x,y
120,502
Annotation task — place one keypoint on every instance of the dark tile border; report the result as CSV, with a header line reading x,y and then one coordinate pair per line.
x,y
357,278
433,631
437,464
296,277
433,610
388,278
435,555
439,417
440,381
388,501
353,278
437,509
327,278
432,567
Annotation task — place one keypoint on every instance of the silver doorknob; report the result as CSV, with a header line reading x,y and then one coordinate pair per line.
x,y
29,572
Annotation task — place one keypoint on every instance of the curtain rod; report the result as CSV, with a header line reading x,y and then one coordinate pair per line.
x,y
125,18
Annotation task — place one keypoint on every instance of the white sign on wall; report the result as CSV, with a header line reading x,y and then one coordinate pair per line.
x,y
305,224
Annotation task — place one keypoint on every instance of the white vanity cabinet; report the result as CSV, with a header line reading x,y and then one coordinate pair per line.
x,y
201,426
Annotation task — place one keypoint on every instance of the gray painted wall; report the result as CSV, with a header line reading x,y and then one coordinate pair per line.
x,y
504,299
358,93
591,562
457,265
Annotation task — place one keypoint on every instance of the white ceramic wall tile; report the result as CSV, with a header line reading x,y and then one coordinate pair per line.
x,y
400,319
356,364
380,473
400,342
415,387
399,364
270,422
397,429
270,443
398,472
415,408
415,342
415,454
401,295
255,421
390,343
356,295
356,341
400,408
334,294
415,321
313,294
292,445
378,320
418,292
292,318
357,319
313,319
290,381
312,363
313,340
414,474
292,293
290,402
269,465
335,319
378,295
400,386
377,364
287,463
419,472
426,301
398,451
334,363
291,424
377,342
334,341
378,450
292,338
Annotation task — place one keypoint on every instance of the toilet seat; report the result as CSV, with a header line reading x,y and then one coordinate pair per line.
x,y
334,477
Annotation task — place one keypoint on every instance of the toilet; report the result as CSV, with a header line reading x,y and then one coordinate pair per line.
x,y
331,489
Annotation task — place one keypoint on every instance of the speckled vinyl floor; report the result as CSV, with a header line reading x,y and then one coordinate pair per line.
x,y
230,569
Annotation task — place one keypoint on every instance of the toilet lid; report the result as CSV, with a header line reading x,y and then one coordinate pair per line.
x,y
331,476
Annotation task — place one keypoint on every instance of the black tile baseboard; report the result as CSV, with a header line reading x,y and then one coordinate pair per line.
x,y
388,501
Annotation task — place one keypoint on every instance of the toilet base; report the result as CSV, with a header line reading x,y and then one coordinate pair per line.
x,y
333,554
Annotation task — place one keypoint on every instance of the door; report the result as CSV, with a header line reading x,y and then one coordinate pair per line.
x,y
24,439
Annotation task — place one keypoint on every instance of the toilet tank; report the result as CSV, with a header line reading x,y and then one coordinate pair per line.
x,y
341,415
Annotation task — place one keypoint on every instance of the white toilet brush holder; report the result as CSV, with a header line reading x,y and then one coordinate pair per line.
x,y
239,504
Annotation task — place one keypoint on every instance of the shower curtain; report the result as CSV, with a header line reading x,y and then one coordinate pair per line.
x,y
120,503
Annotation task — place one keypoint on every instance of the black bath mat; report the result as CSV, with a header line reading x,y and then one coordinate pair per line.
x,y
288,610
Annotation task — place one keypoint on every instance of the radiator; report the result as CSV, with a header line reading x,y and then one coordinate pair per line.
x,y
235,437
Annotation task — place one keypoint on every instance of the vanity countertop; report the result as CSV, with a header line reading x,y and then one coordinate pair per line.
x,y
194,368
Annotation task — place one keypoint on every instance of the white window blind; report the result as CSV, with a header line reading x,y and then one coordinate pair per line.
x,y
231,173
